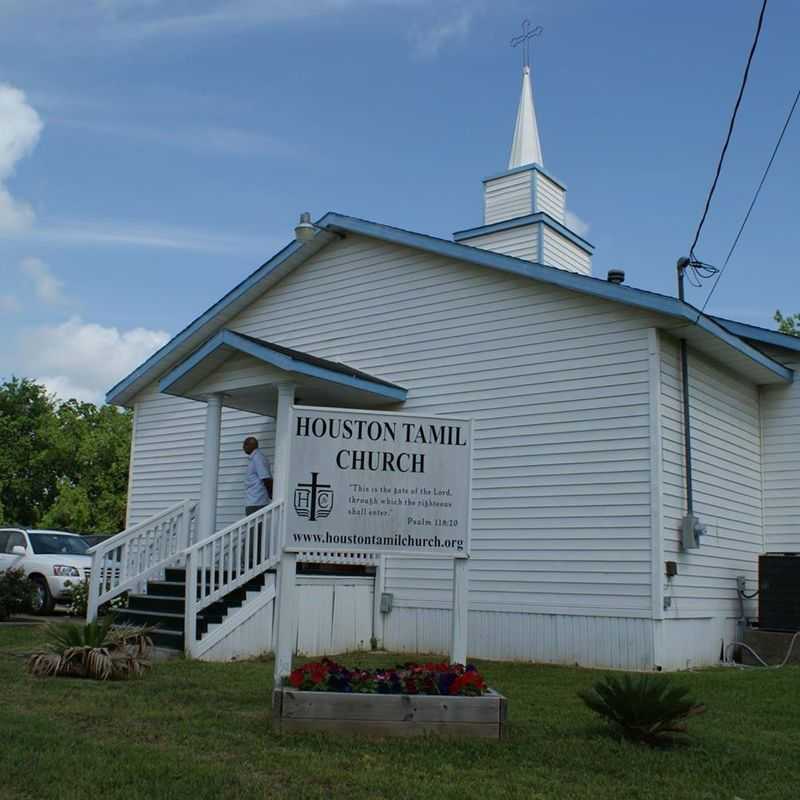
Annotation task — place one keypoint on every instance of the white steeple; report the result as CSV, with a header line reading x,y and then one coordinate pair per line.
x,y
526,148
524,208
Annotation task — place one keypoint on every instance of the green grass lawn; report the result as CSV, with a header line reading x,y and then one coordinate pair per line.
x,y
197,730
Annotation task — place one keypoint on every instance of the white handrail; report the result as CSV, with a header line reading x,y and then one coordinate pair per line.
x,y
227,560
136,554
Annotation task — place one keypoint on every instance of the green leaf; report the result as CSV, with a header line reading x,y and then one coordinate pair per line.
x,y
642,707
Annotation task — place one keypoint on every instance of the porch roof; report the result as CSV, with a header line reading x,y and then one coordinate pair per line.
x,y
246,371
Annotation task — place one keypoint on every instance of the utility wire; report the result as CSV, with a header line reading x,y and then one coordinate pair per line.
x,y
730,130
755,198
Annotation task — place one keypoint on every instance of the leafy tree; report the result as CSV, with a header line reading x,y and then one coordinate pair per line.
x,y
93,447
63,464
28,476
789,324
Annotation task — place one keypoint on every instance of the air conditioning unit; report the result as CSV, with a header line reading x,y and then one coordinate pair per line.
x,y
779,592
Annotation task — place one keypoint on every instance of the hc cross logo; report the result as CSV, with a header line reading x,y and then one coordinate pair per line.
x,y
313,500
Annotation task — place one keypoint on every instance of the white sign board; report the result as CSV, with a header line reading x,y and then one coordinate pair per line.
x,y
361,481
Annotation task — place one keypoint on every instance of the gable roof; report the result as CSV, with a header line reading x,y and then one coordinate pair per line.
x,y
332,225
286,359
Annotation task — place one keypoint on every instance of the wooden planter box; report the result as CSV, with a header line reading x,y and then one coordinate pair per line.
x,y
388,714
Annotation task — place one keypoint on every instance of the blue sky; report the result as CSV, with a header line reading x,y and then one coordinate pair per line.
x,y
154,152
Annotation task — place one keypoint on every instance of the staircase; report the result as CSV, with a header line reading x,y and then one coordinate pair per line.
x,y
231,576
163,606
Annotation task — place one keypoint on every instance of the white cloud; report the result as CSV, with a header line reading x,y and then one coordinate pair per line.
x,y
47,287
206,139
9,304
575,223
20,128
429,41
83,359
130,22
65,389
99,232
209,16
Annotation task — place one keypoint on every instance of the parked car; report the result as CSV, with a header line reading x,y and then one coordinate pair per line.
x,y
95,538
53,560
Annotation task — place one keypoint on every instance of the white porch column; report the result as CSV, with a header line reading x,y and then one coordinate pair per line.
x,y
286,601
207,510
282,436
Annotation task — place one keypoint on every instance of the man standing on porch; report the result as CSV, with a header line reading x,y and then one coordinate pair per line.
x,y
258,483
258,491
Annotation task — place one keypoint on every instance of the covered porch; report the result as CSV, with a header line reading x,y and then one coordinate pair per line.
x,y
233,370
211,588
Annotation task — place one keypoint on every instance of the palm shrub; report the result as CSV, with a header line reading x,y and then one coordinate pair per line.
x,y
94,650
641,707
16,593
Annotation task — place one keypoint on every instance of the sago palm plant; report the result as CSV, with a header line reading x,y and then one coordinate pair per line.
x,y
644,708
95,650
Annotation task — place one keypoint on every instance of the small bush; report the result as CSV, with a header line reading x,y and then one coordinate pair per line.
x,y
79,600
642,708
96,650
17,593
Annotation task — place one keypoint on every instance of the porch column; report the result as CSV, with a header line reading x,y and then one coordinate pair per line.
x,y
282,436
207,510
285,626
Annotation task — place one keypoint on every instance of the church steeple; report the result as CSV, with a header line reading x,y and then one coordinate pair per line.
x,y
524,208
526,147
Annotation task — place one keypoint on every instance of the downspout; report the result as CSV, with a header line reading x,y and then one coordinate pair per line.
x,y
691,528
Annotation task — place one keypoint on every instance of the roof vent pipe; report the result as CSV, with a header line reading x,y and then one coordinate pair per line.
x,y
305,230
616,276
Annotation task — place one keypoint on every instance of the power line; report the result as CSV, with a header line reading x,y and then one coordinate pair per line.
x,y
755,198
730,130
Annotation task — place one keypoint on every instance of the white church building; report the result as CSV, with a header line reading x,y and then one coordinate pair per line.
x,y
574,386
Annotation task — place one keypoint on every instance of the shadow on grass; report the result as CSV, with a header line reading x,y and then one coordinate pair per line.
x,y
611,733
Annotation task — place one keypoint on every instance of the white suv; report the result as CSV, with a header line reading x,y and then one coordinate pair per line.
x,y
51,559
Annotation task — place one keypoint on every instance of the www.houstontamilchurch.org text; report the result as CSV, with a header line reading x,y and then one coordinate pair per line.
x,y
380,431
398,540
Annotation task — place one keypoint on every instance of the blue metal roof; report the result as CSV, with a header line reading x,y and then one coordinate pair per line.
x,y
763,335
297,252
286,359
528,219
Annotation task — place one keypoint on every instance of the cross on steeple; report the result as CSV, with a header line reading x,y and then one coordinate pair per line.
x,y
524,39
526,148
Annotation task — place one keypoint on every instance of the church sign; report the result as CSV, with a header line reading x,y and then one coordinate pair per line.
x,y
362,481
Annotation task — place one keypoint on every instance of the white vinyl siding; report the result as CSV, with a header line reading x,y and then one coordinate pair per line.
x,y
167,459
550,197
559,251
521,242
780,421
508,197
558,386
726,473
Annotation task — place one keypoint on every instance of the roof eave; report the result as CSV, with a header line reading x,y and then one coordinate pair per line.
x,y
266,354
758,334
596,287
181,345
183,342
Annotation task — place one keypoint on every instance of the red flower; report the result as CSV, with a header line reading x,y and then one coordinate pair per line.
x,y
469,683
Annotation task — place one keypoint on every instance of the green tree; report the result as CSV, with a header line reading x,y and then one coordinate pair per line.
x,y
789,324
62,464
28,478
93,446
